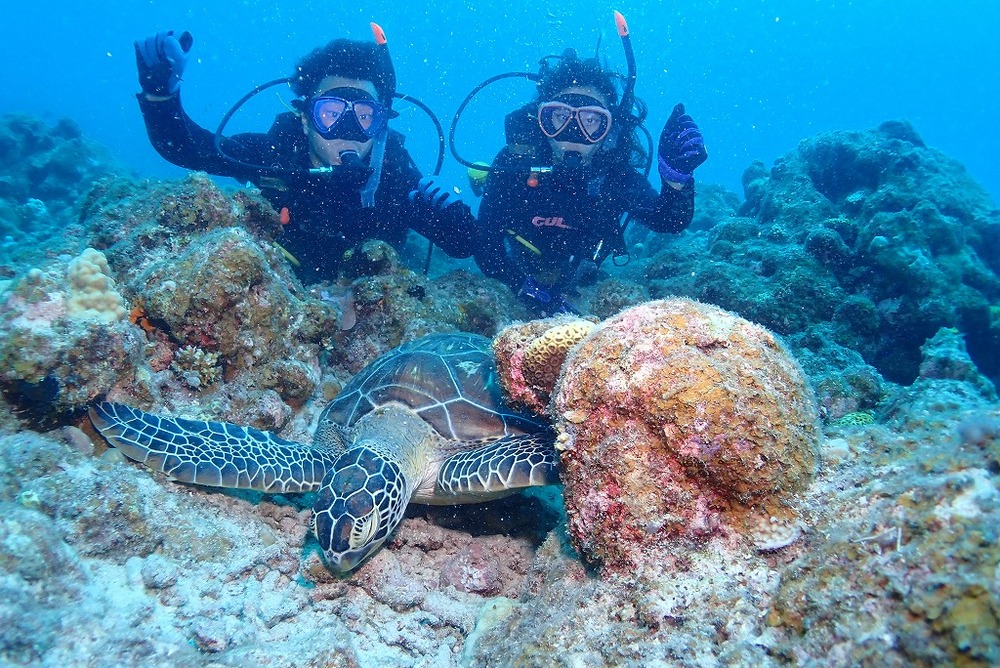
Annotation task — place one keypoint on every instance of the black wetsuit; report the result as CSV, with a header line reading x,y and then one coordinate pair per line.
x,y
542,224
326,215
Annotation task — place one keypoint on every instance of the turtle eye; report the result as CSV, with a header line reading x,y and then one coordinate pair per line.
x,y
364,530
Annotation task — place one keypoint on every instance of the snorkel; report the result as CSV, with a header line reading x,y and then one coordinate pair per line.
x,y
628,95
275,177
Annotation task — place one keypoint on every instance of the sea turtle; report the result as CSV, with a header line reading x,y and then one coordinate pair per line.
x,y
425,422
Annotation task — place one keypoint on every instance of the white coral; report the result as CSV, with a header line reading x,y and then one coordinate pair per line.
x,y
773,533
92,292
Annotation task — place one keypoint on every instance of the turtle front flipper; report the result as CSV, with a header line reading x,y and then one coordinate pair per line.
x,y
503,466
212,453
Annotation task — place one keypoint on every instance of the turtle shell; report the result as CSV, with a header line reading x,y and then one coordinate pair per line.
x,y
449,380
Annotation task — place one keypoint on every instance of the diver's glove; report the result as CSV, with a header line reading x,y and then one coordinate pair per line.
x,y
682,148
445,219
433,195
545,300
161,60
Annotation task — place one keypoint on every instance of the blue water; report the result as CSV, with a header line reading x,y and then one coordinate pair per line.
x,y
757,76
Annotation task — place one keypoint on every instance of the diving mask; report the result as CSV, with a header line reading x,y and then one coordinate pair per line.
x,y
347,113
593,120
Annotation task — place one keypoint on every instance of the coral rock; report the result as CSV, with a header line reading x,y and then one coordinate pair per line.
x,y
677,420
690,414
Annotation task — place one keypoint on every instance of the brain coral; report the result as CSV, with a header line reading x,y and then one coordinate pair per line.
x,y
677,419
530,356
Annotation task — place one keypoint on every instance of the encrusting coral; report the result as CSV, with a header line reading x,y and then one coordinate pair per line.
x,y
676,420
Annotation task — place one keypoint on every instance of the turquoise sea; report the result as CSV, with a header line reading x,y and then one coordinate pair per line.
x,y
758,76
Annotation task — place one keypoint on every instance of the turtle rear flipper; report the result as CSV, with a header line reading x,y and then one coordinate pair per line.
x,y
218,454
505,465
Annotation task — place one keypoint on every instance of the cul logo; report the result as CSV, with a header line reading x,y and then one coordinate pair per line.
x,y
551,221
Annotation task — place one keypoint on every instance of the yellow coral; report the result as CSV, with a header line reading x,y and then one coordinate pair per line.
x,y
528,379
543,358
92,292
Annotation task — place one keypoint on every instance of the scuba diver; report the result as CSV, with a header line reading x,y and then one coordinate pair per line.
x,y
332,167
557,197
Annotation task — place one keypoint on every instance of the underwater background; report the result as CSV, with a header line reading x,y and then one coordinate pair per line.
x,y
757,76
848,208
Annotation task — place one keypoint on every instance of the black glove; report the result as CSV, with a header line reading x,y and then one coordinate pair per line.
x,y
682,148
161,60
433,195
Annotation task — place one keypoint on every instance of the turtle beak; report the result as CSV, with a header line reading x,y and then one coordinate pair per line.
x,y
345,562
335,540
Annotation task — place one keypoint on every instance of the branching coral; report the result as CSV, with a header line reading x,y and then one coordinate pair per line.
x,y
196,367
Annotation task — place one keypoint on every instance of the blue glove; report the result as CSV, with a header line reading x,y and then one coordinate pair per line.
x,y
434,195
544,299
161,60
682,148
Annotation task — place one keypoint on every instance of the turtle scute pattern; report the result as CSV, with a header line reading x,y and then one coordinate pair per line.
x,y
449,380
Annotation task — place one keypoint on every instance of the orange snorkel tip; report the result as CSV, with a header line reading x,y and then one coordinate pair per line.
x,y
619,23
379,34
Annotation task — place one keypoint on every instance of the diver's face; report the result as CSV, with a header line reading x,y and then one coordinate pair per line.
x,y
324,152
585,150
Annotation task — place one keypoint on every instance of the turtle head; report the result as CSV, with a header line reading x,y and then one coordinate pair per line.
x,y
361,501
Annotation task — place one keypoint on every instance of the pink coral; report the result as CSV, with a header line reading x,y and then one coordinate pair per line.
x,y
677,419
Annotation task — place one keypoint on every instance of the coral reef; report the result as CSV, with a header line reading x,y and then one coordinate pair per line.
x,y
675,420
896,566
102,559
875,257
64,339
44,172
871,232
201,271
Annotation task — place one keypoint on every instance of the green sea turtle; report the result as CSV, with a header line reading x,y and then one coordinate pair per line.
x,y
425,422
